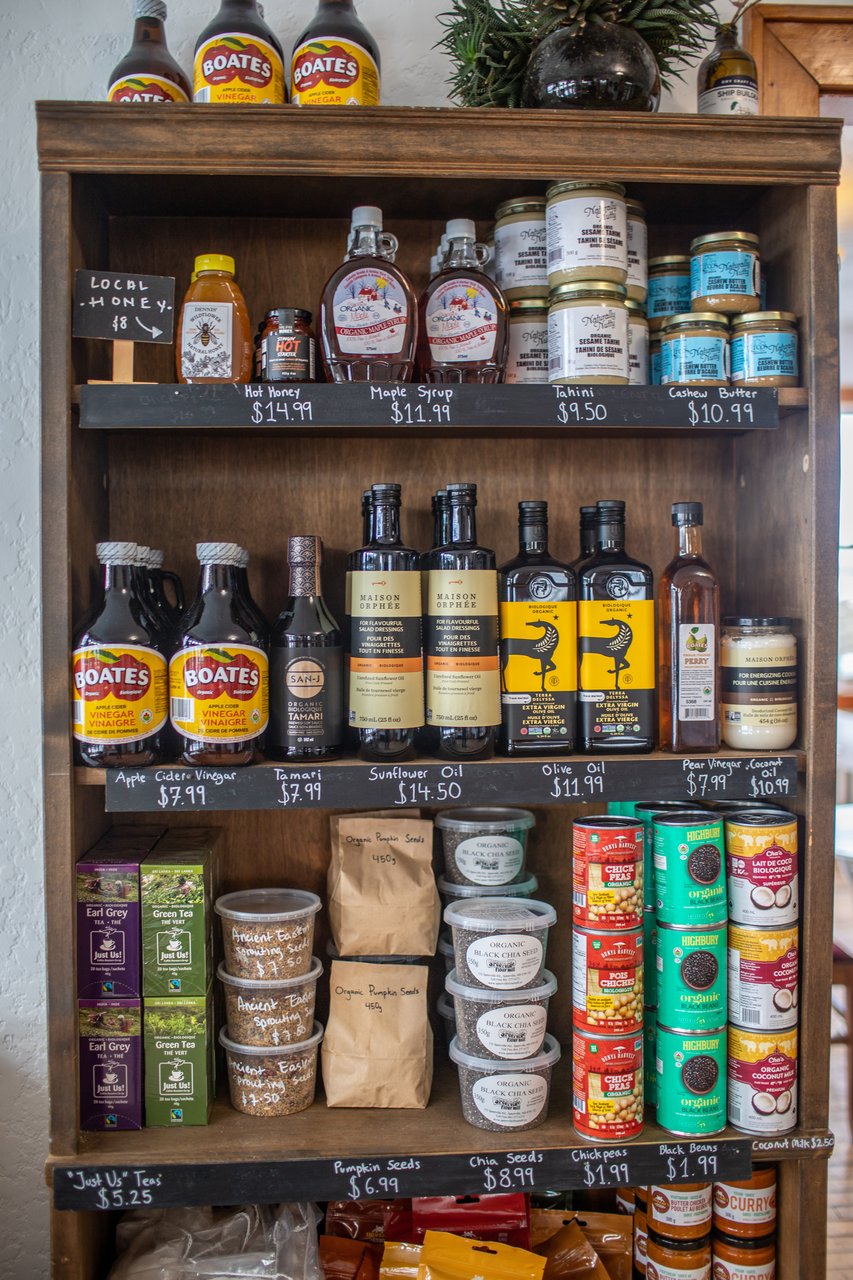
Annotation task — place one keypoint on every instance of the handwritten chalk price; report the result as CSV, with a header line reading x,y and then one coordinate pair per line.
x,y
191,796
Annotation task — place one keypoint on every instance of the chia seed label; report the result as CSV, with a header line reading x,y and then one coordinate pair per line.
x,y
489,859
690,883
691,1071
511,1100
691,977
516,1031
505,961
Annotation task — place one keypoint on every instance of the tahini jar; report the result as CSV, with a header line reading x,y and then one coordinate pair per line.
x,y
521,257
588,333
528,341
725,273
758,677
638,254
638,344
587,232
764,349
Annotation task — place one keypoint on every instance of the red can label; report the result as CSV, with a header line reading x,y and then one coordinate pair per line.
x,y
607,1086
607,875
607,981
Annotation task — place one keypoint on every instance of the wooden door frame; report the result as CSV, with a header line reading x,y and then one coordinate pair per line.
x,y
803,52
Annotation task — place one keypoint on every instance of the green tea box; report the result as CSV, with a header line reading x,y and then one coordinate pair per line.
x,y
177,887
178,1043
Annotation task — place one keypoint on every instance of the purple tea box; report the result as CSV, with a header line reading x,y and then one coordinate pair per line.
x,y
109,945
110,1064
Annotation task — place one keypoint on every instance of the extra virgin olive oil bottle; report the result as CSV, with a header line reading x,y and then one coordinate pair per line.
x,y
616,641
461,640
539,660
386,685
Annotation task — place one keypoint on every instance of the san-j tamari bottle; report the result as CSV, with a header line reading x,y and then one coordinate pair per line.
x,y
689,633
461,636
219,675
238,59
727,82
464,331
586,536
539,655
306,665
119,672
386,688
368,311
616,643
335,61
148,72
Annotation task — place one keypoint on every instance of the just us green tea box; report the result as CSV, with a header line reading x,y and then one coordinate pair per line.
x,y
177,885
179,1060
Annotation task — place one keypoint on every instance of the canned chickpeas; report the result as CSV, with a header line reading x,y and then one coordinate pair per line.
x,y
690,880
607,980
607,1086
607,873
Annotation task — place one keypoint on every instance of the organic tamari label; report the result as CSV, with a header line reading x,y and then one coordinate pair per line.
x,y
119,693
219,693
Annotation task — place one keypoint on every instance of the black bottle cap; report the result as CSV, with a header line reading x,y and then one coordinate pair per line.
x,y
385,491
587,517
529,512
462,493
610,507
732,621
687,513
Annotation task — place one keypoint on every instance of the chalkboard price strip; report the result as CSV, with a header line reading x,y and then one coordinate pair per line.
x,y
175,788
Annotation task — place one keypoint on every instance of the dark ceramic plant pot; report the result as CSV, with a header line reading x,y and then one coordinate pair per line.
x,y
607,68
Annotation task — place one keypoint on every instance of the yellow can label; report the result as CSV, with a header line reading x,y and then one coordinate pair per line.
x,y
327,72
119,694
145,88
234,67
219,693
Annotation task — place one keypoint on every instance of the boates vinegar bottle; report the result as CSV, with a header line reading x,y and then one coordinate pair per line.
x,y
689,631
386,688
219,675
119,673
159,577
539,652
368,310
238,59
464,332
306,675
335,61
148,72
616,643
461,636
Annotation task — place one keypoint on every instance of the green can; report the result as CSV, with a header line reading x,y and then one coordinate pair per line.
x,y
691,964
621,808
650,946
646,811
650,1071
691,1081
690,868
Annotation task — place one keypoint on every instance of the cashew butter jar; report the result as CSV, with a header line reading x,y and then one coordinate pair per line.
x,y
527,360
521,256
638,251
764,349
587,232
725,273
588,333
695,350
668,288
638,344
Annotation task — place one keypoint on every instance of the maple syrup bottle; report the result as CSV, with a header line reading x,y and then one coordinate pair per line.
x,y
335,60
219,675
148,72
386,682
238,59
464,332
119,677
368,311
689,634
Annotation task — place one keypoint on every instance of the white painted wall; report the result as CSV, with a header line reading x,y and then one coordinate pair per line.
x,y
66,49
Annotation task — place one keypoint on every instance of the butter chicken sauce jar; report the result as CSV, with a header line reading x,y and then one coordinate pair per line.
x,y
588,333
695,350
764,350
587,232
678,1259
725,273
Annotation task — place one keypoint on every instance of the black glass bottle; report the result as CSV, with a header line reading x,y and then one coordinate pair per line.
x,y
461,636
306,665
616,643
385,683
586,536
539,657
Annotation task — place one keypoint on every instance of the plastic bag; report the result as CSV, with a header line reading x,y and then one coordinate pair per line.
x,y
504,1218
400,1261
610,1234
345,1259
447,1257
569,1255
360,1219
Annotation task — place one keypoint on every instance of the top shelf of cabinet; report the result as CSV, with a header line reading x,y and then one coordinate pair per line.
x,y
382,150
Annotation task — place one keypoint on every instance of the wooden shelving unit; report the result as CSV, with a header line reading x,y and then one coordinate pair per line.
x,y
146,190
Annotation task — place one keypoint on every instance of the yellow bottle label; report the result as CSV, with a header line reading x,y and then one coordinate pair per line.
x,y
327,72
219,693
616,646
145,88
236,68
539,668
119,693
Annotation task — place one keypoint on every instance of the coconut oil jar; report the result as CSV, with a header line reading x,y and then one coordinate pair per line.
x,y
587,232
725,273
758,670
588,333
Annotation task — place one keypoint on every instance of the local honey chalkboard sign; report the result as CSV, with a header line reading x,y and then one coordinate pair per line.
x,y
122,307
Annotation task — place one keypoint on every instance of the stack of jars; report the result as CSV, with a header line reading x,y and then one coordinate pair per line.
x,y
607,977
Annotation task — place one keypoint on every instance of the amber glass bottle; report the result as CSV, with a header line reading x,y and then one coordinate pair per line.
x,y
464,331
219,676
148,72
335,61
689,640
119,682
238,59
214,340
727,82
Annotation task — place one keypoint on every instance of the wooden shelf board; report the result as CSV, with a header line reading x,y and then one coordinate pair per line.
x,y
358,784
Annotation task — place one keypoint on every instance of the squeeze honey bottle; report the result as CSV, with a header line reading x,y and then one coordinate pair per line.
x,y
335,61
119,682
148,72
464,330
219,675
214,340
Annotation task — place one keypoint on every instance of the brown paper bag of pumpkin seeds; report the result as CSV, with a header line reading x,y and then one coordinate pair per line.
x,y
381,886
377,1050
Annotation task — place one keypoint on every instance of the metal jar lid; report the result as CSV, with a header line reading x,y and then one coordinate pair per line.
x,y
520,308
671,260
744,239
634,207
577,289
696,320
564,188
520,204
755,319
636,310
